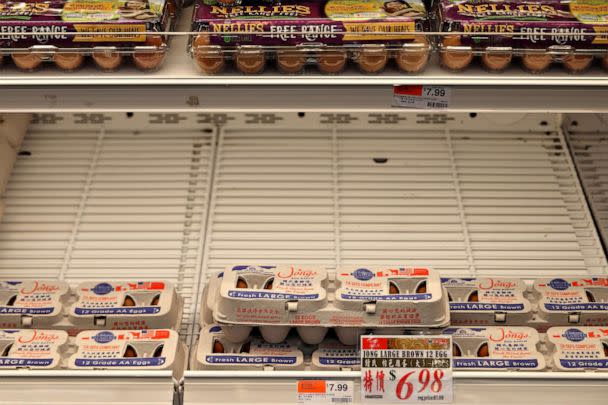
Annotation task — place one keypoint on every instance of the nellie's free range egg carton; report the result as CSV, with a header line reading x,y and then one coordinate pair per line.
x,y
32,348
215,351
488,301
568,301
578,348
277,298
32,303
496,348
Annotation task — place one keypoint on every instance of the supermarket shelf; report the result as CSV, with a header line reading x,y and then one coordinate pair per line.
x,y
470,388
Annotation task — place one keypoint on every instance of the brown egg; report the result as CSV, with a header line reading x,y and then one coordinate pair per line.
x,y
483,351
590,296
413,59
245,348
421,289
455,59
155,301
536,62
150,60
474,297
497,61
210,59
578,63
605,349
129,302
241,283
130,352
268,285
392,288
456,350
331,60
11,301
291,61
68,61
26,61
250,61
218,347
6,350
107,60
158,351
372,59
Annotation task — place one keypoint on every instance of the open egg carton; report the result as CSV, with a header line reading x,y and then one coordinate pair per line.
x,y
353,301
154,349
295,35
66,33
538,33
89,305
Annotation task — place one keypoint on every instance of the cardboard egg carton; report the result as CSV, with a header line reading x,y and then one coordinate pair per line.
x,y
354,300
496,348
572,301
488,301
332,355
32,349
215,351
578,348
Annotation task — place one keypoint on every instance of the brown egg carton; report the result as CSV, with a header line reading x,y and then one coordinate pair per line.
x,y
32,349
578,348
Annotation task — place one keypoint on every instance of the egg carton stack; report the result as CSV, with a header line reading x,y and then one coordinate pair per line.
x,y
296,34
310,301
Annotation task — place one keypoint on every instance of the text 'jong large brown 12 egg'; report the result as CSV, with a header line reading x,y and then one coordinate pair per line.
x,y
413,56
210,59
150,60
331,60
455,59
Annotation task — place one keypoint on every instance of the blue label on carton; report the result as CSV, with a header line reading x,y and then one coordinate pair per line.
x,y
574,335
494,363
16,362
559,284
391,297
363,274
121,362
270,295
117,311
102,289
340,361
480,306
586,363
232,359
590,306
26,311
104,337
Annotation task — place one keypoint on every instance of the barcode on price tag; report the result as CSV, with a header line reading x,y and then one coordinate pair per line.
x,y
421,97
406,369
327,391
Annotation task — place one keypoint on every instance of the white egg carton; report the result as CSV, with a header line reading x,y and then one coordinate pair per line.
x,y
32,349
277,298
573,301
578,348
215,351
496,348
152,349
488,301
332,355
32,303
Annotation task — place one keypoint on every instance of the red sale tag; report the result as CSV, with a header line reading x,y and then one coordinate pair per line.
x,y
406,369
422,97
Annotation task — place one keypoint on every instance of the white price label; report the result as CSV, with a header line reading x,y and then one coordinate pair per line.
x,y
327,391
406,369
422,97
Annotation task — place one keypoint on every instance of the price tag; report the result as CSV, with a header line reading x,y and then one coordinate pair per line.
x,y
330,392
421,97
406,369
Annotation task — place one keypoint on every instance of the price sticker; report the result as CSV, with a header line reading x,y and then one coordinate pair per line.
x,y
406,369
422,97
327,391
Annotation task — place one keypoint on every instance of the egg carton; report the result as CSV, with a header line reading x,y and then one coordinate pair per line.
x,y
215,351
354,300
32,349
496,348
578,349
297,34
332,355
67,33
488,301
538,33
572,301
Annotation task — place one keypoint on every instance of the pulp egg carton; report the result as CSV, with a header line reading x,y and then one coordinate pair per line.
x,y
572,301
535,33
496,348
296,34
332,355
152,349
215,351
488,301
32,349
66,33
353,301
578,349
32,303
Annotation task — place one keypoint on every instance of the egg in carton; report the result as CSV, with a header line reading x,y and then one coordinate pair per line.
x,y
573,301
126,305
334,356
215,351
152,349
578,349
32,303
496,348
32,348
277,298
487,301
